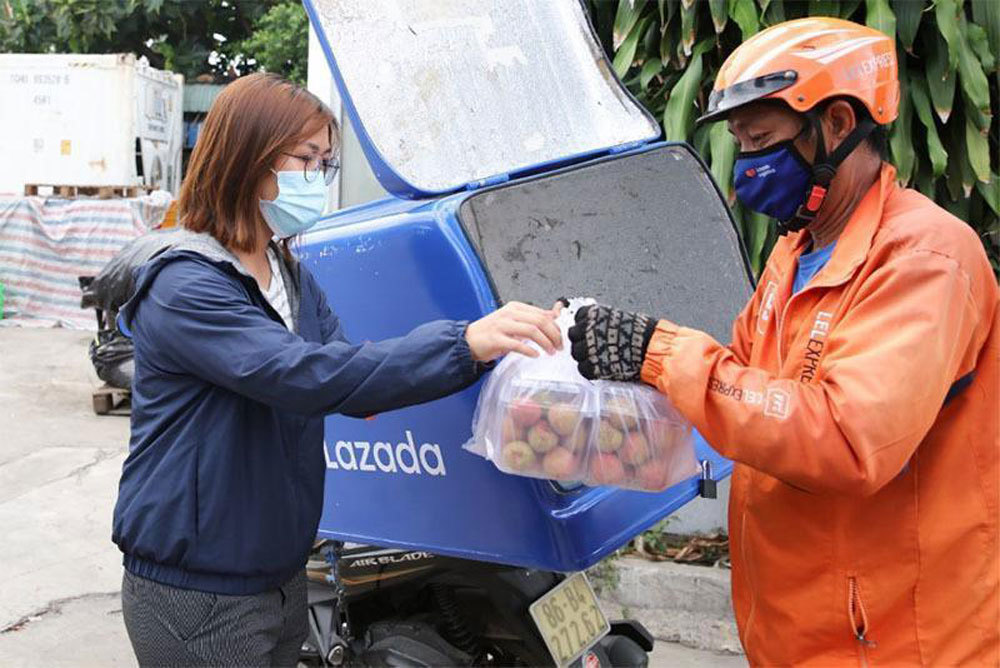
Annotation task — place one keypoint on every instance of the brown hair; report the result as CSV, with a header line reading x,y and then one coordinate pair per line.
x,y
251,123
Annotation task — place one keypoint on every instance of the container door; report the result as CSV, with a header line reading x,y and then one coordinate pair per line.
x,y
444,94
647,232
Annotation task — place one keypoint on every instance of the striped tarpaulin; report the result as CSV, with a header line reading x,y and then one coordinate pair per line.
x,y
45,243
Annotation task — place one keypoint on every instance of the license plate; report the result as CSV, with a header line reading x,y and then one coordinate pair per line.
x,y
569,619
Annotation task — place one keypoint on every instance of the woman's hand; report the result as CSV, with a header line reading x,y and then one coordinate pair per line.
x,y
509,328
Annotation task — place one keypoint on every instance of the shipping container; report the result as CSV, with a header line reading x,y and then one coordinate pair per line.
x,y
88,120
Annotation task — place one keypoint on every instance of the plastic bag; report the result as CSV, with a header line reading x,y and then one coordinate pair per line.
x,y
114,285
539,417
111,353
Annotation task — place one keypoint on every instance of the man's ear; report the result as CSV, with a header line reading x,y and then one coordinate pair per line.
x,y
838,122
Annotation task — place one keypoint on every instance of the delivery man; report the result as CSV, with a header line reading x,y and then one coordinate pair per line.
x,y
859,394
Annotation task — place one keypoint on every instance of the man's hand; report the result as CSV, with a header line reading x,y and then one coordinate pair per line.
x,y
609,344
509,328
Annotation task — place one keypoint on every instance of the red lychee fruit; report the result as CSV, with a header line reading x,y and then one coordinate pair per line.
x,y
635,449
561,464
524,412
653,476
606,469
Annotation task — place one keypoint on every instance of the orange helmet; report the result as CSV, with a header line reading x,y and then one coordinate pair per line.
x,y
806,61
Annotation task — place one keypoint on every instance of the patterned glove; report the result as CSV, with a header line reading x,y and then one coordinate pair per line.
x,y
609,344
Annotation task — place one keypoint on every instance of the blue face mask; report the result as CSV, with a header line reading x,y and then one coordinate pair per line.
x,y
779,183
299,204
775,181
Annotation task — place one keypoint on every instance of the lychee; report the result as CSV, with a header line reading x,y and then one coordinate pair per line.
x,y
606,470
622,412
561,464
518,456
609,439
525,412
653,476
564,418
542,438
510,431
635,449
577,441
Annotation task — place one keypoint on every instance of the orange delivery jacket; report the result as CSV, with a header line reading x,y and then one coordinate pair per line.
x,y
862,414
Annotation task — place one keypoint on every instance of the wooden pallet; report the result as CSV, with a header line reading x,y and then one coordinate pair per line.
x,y
74,192
112,401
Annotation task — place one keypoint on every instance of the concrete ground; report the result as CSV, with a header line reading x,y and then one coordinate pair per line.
x,y
60,574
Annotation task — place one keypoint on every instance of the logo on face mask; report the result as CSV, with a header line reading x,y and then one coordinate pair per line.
x,y
762,171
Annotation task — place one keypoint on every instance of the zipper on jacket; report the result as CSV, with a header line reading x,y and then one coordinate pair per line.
x,y
781,321
859,620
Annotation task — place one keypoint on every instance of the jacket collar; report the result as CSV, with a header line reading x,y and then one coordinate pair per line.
x,y
206,245
181,243
853,244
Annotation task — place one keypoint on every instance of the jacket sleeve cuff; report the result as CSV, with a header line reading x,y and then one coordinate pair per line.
x,y
469,368
654,366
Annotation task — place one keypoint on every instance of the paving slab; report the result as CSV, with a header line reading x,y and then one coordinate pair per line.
x,y
80,632
677,603
59,470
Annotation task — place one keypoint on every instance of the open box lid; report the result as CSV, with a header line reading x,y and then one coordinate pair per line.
x,y
447,94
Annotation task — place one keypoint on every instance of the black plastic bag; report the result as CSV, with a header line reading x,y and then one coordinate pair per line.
x,y
113,286
111,354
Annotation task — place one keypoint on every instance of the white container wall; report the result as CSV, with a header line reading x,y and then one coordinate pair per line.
x,y
88,120
356,183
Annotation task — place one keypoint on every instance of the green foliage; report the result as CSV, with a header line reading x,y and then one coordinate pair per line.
x,y
655,539
605,575
279,42
945,142
192,37
83,26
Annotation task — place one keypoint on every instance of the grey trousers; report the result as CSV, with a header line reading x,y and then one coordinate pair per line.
x,y
180,627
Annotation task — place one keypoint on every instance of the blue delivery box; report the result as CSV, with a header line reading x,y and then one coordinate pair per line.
x,y
519,168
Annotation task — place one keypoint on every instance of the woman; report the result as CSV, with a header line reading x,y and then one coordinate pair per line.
x,y
238,358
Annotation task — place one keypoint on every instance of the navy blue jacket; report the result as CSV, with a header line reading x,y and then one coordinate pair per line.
x,y
223,487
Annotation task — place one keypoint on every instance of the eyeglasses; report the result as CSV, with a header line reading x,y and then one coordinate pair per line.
x,y
314,167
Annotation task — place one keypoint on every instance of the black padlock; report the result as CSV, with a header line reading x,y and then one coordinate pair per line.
x,y
707,486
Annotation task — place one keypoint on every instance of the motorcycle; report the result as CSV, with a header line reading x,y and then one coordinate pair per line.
x,y
410,608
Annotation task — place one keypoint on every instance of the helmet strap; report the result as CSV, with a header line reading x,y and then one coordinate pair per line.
x,y
824,168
